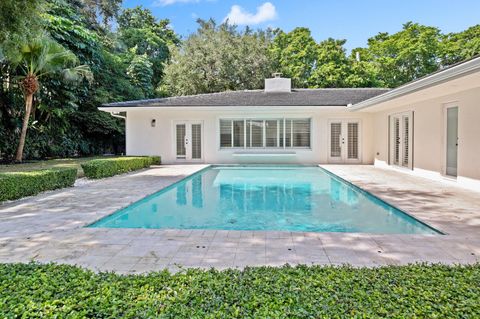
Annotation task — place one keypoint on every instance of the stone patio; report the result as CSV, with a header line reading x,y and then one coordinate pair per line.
x,y
50,228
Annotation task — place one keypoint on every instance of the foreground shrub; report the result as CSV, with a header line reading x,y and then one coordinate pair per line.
x,y
415,291
107,167
14,185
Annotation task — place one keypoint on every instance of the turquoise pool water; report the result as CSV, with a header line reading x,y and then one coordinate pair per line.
x,y
289,198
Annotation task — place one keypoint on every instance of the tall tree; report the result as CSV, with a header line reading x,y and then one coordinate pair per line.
x,y
406,55
460,46
331,65
18,20
294,54
104,11
36,59
138,29
218,58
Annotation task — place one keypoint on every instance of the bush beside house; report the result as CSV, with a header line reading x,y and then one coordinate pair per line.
x,y
14,185
107,167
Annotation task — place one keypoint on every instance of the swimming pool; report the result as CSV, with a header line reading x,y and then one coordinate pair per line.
x,y
282,198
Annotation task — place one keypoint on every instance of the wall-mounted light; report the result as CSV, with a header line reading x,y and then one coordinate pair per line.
x,y
153,122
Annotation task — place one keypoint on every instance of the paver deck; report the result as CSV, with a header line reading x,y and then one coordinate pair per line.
x,y
50,228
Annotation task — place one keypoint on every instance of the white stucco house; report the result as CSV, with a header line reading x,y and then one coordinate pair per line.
x,y
428,127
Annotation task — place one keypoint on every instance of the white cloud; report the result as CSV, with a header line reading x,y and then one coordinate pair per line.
x,y
238,15
163,3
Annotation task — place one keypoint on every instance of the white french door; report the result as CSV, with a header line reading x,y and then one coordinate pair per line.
x,y
344,141
401,137
188,140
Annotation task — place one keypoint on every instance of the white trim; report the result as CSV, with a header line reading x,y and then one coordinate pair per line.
x,y
448,74
264,154
250,108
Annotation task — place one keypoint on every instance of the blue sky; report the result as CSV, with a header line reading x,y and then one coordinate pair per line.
x,y
354,20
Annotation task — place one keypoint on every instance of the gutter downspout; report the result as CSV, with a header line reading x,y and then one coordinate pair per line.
x,y
117,115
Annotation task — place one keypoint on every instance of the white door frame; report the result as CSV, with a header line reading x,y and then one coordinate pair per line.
x,y
343,158
188,140
391,153
447,106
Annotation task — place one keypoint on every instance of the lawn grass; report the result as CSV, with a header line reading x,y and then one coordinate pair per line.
x,y
414,291
48,164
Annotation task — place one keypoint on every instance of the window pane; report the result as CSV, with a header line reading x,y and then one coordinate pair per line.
x,y
288,133
225,133
238,133
271,132
301,133
257,133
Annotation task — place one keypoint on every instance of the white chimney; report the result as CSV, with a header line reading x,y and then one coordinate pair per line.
x,y
278,84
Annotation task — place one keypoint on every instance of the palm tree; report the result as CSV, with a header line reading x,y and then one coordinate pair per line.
x,y
36,59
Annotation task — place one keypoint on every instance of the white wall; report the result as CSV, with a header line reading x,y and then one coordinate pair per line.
x,y
429,134
143,139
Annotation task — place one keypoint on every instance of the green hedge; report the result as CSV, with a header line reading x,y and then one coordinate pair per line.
x,y
414,291
107,167
14,185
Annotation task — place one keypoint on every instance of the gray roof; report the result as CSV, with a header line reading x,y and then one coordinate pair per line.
x,y
298,97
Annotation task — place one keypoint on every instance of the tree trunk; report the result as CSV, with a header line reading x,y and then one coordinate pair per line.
x,y
23,134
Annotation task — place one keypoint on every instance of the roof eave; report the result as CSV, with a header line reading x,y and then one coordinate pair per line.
x,y
228,107
454,72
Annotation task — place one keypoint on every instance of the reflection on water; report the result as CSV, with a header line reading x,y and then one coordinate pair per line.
x,y
267,198
197,191
182,194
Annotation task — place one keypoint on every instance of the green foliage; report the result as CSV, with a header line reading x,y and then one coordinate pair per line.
x,y
19,20
457,47
319,65
405,55
15,185
414,291
138,29
218,58
141,72
294,55
106,167
96,10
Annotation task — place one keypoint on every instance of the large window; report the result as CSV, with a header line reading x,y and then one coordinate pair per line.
x,y
265,133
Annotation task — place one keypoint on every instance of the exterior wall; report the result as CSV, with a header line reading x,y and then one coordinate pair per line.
x,y
143,139
429,152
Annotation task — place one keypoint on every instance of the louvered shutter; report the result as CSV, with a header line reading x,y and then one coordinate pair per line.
x,y
352,134
196,141
180,140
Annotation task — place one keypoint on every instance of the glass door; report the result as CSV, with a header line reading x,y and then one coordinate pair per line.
x,y
401,134
188,141
344,141
452,141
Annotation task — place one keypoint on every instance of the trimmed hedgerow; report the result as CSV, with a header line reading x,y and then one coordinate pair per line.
x,y
14,185
106,167
414,291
